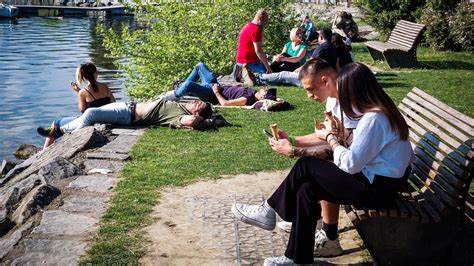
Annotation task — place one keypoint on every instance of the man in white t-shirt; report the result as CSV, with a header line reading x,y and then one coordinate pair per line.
x,y
318,79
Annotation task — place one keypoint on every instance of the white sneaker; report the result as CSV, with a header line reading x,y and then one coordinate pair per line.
x,y
324,247
275,261
258,215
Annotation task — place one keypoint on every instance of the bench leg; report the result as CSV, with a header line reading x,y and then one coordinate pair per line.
x,y
376,55
400,59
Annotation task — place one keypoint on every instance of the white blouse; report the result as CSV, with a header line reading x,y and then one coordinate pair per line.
x,y
375,149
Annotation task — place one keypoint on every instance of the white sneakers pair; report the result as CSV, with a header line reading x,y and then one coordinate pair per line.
x,y
264,216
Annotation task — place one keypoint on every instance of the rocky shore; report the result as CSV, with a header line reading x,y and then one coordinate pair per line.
x,y
51,203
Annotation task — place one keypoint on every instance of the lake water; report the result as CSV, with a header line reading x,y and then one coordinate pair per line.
x,y
38,59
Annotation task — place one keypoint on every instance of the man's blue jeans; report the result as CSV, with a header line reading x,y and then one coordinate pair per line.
x,y
203,89
258,67
112,113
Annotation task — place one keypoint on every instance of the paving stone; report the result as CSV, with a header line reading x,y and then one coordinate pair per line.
x,y
8,243
94,183
84,204
128,131
105,155
51,252
60,223
113,166
59,168
121,144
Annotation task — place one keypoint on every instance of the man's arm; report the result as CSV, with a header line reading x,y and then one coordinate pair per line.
x,y
190,120
258,46
307,140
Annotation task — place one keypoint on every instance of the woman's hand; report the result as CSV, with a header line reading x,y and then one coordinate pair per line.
x,y
322,132
74,86
281,146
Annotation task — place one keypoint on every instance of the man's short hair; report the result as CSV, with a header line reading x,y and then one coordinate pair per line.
x,y
326,34
313,67
206,112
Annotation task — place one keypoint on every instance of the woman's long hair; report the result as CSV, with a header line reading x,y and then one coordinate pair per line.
x,y
87,72
359,92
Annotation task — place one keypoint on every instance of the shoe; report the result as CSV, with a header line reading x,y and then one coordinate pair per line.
x,y
54,132
258,215
323,247
274,261
248,76
175,85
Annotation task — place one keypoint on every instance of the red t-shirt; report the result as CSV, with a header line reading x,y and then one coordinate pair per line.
x,y
249,34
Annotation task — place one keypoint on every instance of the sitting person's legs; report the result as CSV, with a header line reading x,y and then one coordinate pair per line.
x,y
202,91
280,78
258,68
114,113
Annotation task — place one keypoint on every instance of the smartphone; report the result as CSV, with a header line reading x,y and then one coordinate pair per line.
x,y
267,133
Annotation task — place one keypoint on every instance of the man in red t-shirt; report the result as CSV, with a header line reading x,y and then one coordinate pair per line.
x,y
249,49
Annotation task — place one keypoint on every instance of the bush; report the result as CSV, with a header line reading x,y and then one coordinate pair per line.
x,y
176,36
384,15
437,27
461,28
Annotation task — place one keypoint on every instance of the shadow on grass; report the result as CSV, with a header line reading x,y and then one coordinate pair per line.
x,y
447,65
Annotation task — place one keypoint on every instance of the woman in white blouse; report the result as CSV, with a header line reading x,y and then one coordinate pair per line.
x,y
367,173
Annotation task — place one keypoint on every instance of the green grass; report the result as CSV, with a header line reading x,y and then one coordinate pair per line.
x,y
165,157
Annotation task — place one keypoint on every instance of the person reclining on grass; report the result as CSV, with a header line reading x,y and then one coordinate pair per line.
x,y
203,84
156,113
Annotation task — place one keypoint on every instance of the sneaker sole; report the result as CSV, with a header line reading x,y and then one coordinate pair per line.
x,y
246,220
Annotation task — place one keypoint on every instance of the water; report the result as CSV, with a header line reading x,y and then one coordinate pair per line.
x,y
38,59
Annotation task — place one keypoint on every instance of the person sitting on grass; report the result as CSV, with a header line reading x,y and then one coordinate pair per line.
x,y
94,94
156,113
202,83
293,54
368,173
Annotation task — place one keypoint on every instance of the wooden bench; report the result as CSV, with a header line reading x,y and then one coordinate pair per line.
x,y
431,209
400,49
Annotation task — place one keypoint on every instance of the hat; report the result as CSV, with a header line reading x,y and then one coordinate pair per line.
x,y
271,95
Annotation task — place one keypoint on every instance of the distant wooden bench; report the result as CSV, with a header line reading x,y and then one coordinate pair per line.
x,y
400,49
431,208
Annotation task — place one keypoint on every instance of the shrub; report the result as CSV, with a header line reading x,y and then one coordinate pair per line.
x,y
437,27
175,36
461,28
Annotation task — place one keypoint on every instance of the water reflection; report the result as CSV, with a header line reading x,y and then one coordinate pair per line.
x,y
38,59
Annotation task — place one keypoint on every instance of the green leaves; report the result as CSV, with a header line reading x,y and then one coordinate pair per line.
x,y
172,38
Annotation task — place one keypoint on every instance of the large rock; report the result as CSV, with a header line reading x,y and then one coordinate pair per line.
x,y
25,151
80,140
8,243
60,223
59,168
6,166
94,183
121,144
51,252
16,170
14,193
34,201
113,166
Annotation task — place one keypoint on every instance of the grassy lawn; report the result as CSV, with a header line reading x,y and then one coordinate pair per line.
x,y
165,157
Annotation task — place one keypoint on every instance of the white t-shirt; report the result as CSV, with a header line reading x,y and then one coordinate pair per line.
x,y
333,105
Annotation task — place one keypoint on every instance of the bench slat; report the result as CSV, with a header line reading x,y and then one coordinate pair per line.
x,y
463,151
468,120
401,207
440,122
447,139
452,160
452,165
433,175
430,210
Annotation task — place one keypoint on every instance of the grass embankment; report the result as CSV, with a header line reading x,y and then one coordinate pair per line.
x,y
176,157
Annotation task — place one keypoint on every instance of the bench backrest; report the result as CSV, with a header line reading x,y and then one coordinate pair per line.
x,y
407,34
442,139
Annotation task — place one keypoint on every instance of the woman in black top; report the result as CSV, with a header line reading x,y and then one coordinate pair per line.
x,y
343,55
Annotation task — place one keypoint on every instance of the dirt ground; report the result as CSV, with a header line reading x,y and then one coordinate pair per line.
x,y
194,226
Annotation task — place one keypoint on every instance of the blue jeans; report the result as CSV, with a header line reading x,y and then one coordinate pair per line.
x,y
280,78
202,89
112,113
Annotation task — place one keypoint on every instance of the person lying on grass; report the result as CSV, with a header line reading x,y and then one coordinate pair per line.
x,y
156,113
203,84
